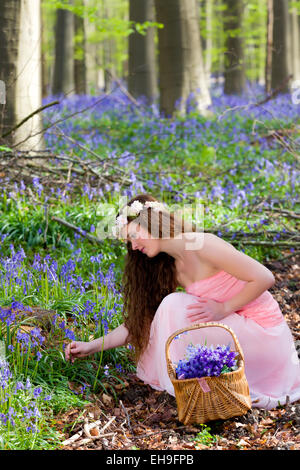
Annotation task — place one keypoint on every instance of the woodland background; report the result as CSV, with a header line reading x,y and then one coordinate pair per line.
x,y
191,101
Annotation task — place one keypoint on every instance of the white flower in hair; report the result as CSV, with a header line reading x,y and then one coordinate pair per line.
x,y
135,208
121,220
155,205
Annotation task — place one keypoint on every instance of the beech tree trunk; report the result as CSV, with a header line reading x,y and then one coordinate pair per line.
x,y
269,54
94,72
294,45
280,68
20,70
79,58
63,76
234,72
181,69
109,47
206,43
142,70
209,41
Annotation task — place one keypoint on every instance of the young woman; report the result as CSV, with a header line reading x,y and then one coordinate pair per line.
x,y
221,285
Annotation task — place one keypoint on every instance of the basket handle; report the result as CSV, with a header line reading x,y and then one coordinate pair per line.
x,y
195,327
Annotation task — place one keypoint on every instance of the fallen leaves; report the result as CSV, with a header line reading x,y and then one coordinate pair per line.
x,y
107,399
146,418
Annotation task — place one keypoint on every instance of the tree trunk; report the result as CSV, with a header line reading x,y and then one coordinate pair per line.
x,y
270,24
220,43
280,69
79,57
294,65
181,70
92,56
43,59
235,77
20,70
208,42
142,76
261,44
9,44
63,79
108,51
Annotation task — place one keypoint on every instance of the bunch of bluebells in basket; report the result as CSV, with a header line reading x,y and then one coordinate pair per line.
x,y
201,361
210,382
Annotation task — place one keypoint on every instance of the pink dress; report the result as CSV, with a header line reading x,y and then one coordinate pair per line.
x,y
272,366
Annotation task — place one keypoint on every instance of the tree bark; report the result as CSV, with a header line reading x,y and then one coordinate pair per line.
x,y
9,45
280,68
268,67
92,55
20,69
63,77
207,43
234,73
209,40
181,69
294,64
79,59
109,47
142,70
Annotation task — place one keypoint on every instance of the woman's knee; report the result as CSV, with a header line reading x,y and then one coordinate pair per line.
x,y
176,299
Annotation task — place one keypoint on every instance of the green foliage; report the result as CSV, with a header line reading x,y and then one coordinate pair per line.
x,y
111,23
252,31
204,436
192,154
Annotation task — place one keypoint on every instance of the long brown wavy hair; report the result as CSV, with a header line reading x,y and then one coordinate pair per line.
x,y
146,281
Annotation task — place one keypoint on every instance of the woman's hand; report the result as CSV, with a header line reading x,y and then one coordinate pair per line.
x,y
205,310
78,349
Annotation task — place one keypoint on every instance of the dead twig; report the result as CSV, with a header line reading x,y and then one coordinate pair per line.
x,y
127,417
88,439
81,232
86,430
284,212
28,117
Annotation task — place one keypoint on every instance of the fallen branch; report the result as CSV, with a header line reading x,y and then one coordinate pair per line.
x,y
86,149
127,416
295,253
86,430
89,439
81,232
28,117
143,436
72,439
265,243
275,92
285,212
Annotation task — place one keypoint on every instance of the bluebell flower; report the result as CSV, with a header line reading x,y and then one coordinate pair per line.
x,y
37,391
202,361
69,334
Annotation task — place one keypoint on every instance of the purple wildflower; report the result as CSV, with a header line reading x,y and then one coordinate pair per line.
x,y
202,361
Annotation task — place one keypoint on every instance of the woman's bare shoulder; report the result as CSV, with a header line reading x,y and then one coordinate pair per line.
x,y
210,240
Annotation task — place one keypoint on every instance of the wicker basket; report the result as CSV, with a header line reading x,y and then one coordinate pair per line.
x,y
210,398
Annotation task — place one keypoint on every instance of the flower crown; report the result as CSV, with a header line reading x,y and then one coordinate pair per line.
x,y
134,209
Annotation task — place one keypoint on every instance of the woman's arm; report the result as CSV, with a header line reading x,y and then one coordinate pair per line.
x,y
117,337
224,256
250,291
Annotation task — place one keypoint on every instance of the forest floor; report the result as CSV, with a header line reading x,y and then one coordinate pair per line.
x,y
148,419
